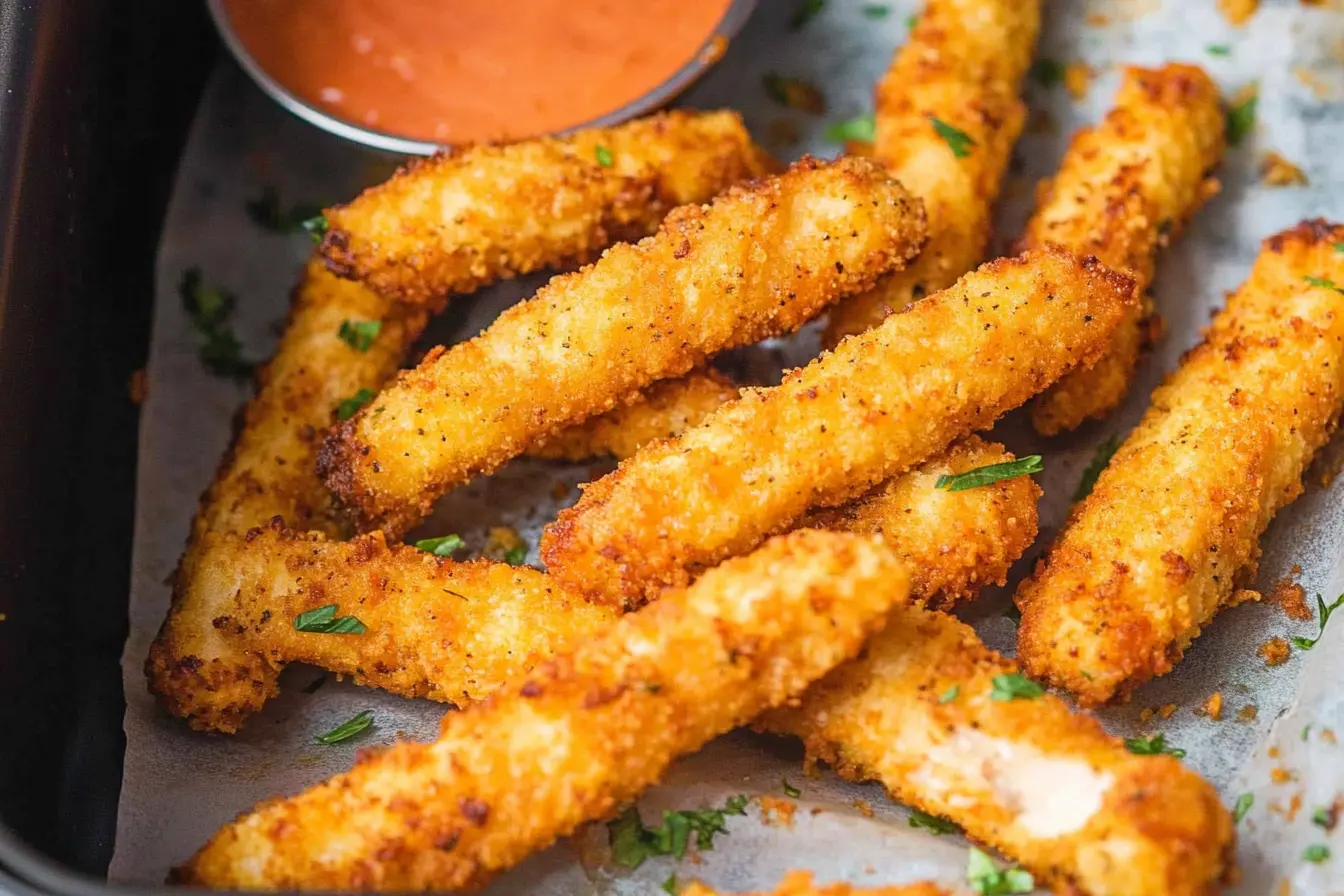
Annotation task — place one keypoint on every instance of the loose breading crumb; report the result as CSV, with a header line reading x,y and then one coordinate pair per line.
x,y
138,386
1248,713
1238,12
1078,78
777,811
500,540
1276,171
864,808
1167,710
1328,735
1213,707
1147,713
1319,86
1291,598
1280,775
1274,652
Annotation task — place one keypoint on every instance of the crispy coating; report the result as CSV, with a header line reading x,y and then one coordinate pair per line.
x,y
882,402
436,628
963,65
271,469
953,543
761,260
587,733
468,217
664,410
1170,532
1123,189
799,883
1045,785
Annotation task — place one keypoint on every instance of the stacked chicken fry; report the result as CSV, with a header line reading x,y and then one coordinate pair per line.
x,y
784,556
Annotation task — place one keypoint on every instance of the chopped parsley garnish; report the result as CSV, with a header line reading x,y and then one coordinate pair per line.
x,y
516,555
1324,817
1324,616
1218,50
911,21
441,547
1048,72
209,308
957,140
807,11
360,334
1324,283
988,475
1241,119
1014,686
1316,853
932,823
1306,732
876,10
604,157
316,226
861,128
988,879
268,213
632,842
795,93
349,407
670,885
950,694
1105,451
790,790
324,621
1152,746
346,730
1339,248
1244,804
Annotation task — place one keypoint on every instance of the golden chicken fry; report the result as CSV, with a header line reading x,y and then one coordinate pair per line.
x,y
429,627
271,470
882,402
947,115
588,732
760,261
953,543
664,410
927,711
1170,532
469,217
1123,190
799,883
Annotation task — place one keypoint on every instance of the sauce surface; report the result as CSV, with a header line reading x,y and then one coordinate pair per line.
x,y
453,71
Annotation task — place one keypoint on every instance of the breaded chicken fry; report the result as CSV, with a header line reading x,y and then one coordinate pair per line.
x,y
435,628
1123,189
953,543
1027,776
472,216
1171,530
588,732
962,66
760,261
882,402
664,410
799,883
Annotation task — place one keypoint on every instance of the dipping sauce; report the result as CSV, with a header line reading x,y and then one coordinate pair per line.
x,y
453,71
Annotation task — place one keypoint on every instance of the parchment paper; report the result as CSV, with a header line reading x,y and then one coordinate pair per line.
x,y
180,786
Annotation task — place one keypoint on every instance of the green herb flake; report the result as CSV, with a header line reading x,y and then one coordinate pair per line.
x,y
1323,283
1324,617
861,128
988,879
209,309
1339,248
349,407
932,823
790,790
441,547
670,885
950,694
807,11
876,11
1306,732
360,334
957,140
632,842
1324,817
1152,746
604,156
1048,72
1316,853
795,93
268,212
1241,119
346,730
1014,686
516,556
324,621
988,475
1218,50
1244,804
911,21
317,226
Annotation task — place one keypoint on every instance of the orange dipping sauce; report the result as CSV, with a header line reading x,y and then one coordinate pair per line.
x,y
454,71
